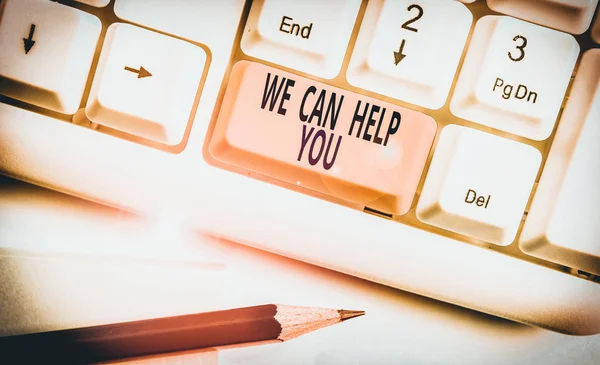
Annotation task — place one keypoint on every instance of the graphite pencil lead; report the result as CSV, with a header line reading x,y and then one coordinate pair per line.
x,y
348,314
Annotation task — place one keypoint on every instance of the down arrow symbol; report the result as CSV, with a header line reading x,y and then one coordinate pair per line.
x,y
29,42
399,56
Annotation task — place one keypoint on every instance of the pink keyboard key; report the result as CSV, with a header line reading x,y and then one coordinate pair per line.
x,y
326,139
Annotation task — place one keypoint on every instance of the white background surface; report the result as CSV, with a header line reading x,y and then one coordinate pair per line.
x,y
399,327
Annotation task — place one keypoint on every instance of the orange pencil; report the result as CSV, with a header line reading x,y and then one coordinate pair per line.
x,y
257,324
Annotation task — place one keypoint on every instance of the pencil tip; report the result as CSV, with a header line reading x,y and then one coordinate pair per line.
x,y
348,314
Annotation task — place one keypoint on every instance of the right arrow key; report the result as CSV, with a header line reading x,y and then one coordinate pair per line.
x,y
148,90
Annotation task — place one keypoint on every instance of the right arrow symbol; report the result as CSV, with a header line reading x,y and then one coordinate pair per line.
x,y
399,56
142,72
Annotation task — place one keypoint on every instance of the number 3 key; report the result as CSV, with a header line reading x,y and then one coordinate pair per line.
x,y
515,76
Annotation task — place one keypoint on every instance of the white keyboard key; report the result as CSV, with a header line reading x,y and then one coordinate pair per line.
x,y
47,52
410,49
96,3
563,224
309,36
147,90
211,22
571,16
515,76
478,184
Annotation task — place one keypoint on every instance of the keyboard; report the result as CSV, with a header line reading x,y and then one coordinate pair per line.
x,y
447,148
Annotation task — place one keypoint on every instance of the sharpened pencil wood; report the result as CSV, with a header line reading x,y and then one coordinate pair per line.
x,y
268,322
